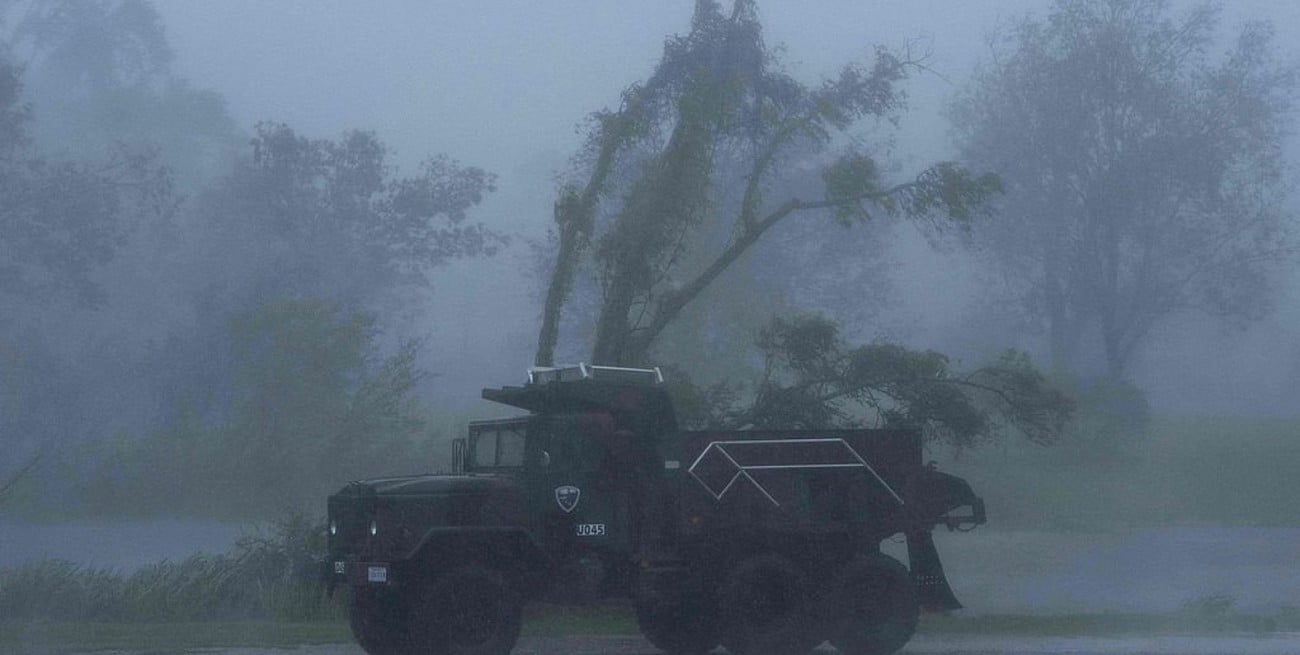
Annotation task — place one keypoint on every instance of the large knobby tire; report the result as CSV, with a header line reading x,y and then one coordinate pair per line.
x,y
765,608
873,606
468,611
380,620
688,626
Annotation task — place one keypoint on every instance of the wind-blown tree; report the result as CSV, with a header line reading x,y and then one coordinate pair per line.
x,y
813,378
1144,177
710,145
718,114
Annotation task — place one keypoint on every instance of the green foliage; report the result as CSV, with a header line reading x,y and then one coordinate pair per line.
x,y
331,219
679,180
848,181
315,406
60,222
813,379
265,576
852,183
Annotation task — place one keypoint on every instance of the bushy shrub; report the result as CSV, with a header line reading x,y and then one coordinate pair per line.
x,y
270,575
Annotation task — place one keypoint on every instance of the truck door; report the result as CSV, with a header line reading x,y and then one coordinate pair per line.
x,y
584,499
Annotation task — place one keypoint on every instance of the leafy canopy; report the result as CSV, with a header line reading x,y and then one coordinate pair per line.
x,y
697,150
812,378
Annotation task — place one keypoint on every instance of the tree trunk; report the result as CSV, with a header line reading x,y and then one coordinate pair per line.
x,y
558,290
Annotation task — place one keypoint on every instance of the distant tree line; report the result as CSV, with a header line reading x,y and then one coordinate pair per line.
x,y
193,319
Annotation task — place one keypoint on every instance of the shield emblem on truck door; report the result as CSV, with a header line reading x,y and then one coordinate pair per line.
x,y
566,497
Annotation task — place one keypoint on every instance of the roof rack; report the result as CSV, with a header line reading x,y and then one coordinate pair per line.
x,y
538,375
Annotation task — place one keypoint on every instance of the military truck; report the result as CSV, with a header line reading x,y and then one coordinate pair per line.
x,y
764,541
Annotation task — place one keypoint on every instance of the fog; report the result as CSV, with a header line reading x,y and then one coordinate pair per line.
x,y
167,348
505,86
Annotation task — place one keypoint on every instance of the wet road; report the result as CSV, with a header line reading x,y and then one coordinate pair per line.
x,y
924,645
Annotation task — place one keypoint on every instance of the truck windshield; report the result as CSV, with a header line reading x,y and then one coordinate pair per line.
x,y
498,447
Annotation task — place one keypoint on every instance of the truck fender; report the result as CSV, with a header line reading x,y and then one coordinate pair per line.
x,y
508,549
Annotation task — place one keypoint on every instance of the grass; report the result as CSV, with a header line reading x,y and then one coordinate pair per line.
x,y
70,636
1105,624
545,620
269,577
44,636
548,620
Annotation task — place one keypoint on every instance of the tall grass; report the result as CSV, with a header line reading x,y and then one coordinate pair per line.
x,y
269,575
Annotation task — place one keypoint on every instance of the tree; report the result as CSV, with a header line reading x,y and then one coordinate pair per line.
x,y
61,221
1144,177
720,114
100,74
319,218
812,378
315,403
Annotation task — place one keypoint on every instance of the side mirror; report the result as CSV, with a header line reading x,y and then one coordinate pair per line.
x,y
544,459
457,455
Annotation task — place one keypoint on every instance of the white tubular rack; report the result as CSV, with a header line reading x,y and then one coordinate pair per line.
x,y
581,371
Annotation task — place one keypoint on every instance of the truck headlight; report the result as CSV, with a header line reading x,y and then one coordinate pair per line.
x,y
334,528
374,528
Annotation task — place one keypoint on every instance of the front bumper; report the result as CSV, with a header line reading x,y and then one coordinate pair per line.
x,y
338,572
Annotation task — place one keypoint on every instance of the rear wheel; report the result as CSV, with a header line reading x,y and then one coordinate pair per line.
x,y
468,611
873,606
687,626
379,619
765,608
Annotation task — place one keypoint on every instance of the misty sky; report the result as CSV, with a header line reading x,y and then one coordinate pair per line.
x,y
503,84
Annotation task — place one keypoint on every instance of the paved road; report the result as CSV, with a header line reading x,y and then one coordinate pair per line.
x,y
923,645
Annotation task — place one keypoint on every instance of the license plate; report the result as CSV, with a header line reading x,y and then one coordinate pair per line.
x,y
377,574
590,529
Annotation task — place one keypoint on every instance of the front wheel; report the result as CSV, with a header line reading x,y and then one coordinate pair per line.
x,y
468,611
379,619
874,606
687,626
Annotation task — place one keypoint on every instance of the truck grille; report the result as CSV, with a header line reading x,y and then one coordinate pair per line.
x,y
352,519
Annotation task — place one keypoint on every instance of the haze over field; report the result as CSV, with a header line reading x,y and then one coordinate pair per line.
x,y
250,251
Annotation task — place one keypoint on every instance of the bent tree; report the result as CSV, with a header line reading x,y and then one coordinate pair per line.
x,y
695,150
700,149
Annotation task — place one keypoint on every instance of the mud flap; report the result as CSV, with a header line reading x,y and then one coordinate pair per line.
x,y
933,592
